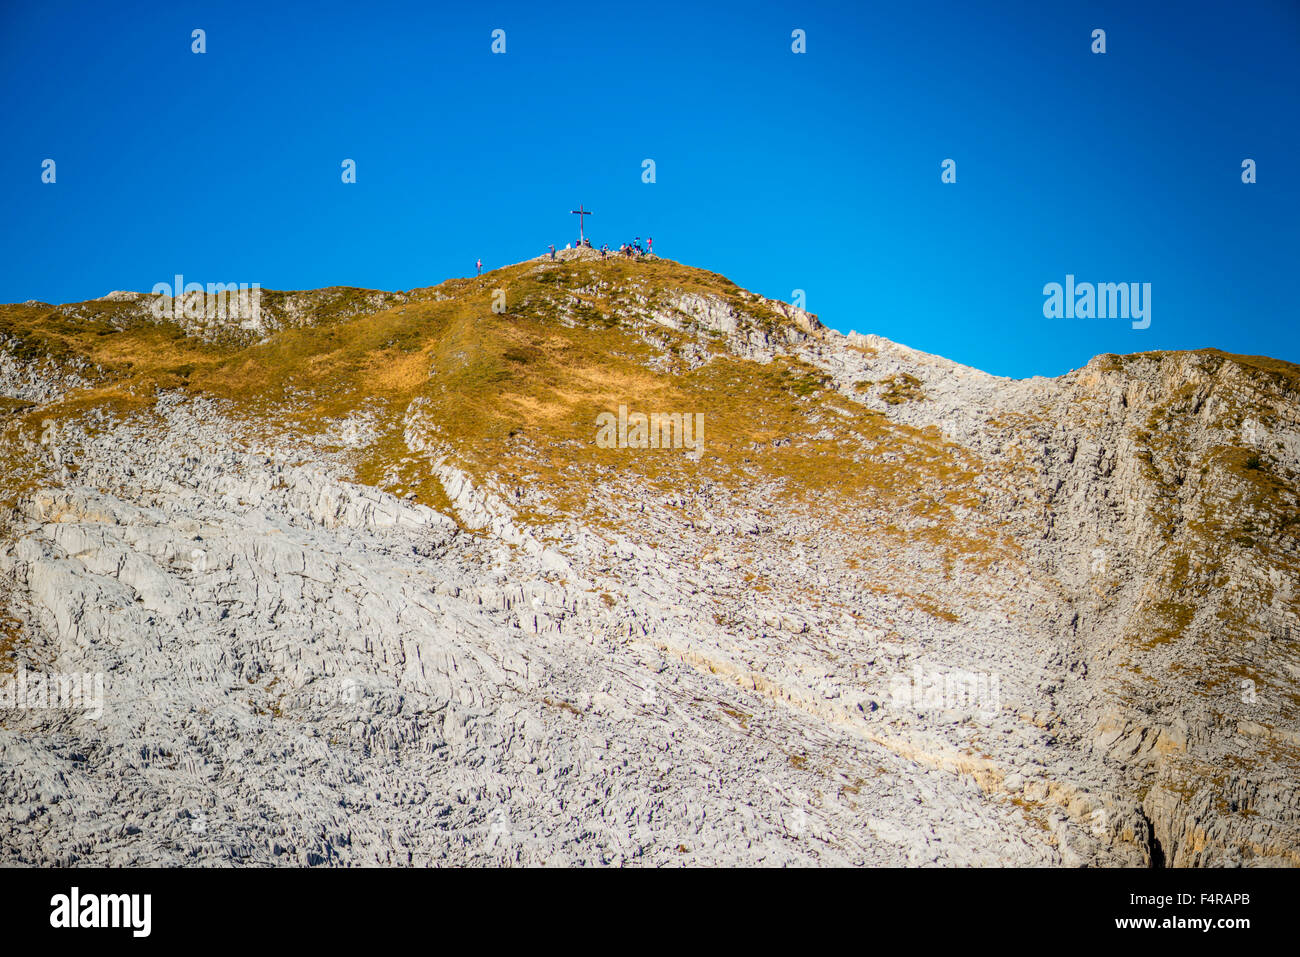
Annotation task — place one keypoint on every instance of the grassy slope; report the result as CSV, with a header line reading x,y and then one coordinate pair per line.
x,y
515,396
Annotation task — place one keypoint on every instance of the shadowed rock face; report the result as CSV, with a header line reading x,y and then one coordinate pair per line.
x,y
362,586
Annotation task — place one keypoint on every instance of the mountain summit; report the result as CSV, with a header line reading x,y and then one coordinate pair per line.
x,y
594,560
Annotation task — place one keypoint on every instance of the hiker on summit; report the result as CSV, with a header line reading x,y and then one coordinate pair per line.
x,y
650,245
604,251
552,250
479,266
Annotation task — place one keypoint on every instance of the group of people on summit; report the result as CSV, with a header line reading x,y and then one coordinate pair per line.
x,y
634,248
631,249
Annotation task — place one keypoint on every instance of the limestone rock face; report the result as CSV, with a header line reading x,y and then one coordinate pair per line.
x,y
361,586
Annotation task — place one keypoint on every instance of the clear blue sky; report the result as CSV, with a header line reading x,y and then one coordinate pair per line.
x,y
818,171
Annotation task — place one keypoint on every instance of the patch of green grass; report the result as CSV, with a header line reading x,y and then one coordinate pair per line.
x,y
901,388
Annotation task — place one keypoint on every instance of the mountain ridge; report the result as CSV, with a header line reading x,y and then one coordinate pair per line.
x,y
1114,549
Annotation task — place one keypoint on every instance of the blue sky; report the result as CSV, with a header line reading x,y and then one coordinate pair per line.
x,y
817,171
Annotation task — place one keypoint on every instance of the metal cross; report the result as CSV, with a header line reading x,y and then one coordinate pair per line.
x,y
582,214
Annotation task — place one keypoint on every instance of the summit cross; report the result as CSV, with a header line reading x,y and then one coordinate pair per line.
x,y
582,214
